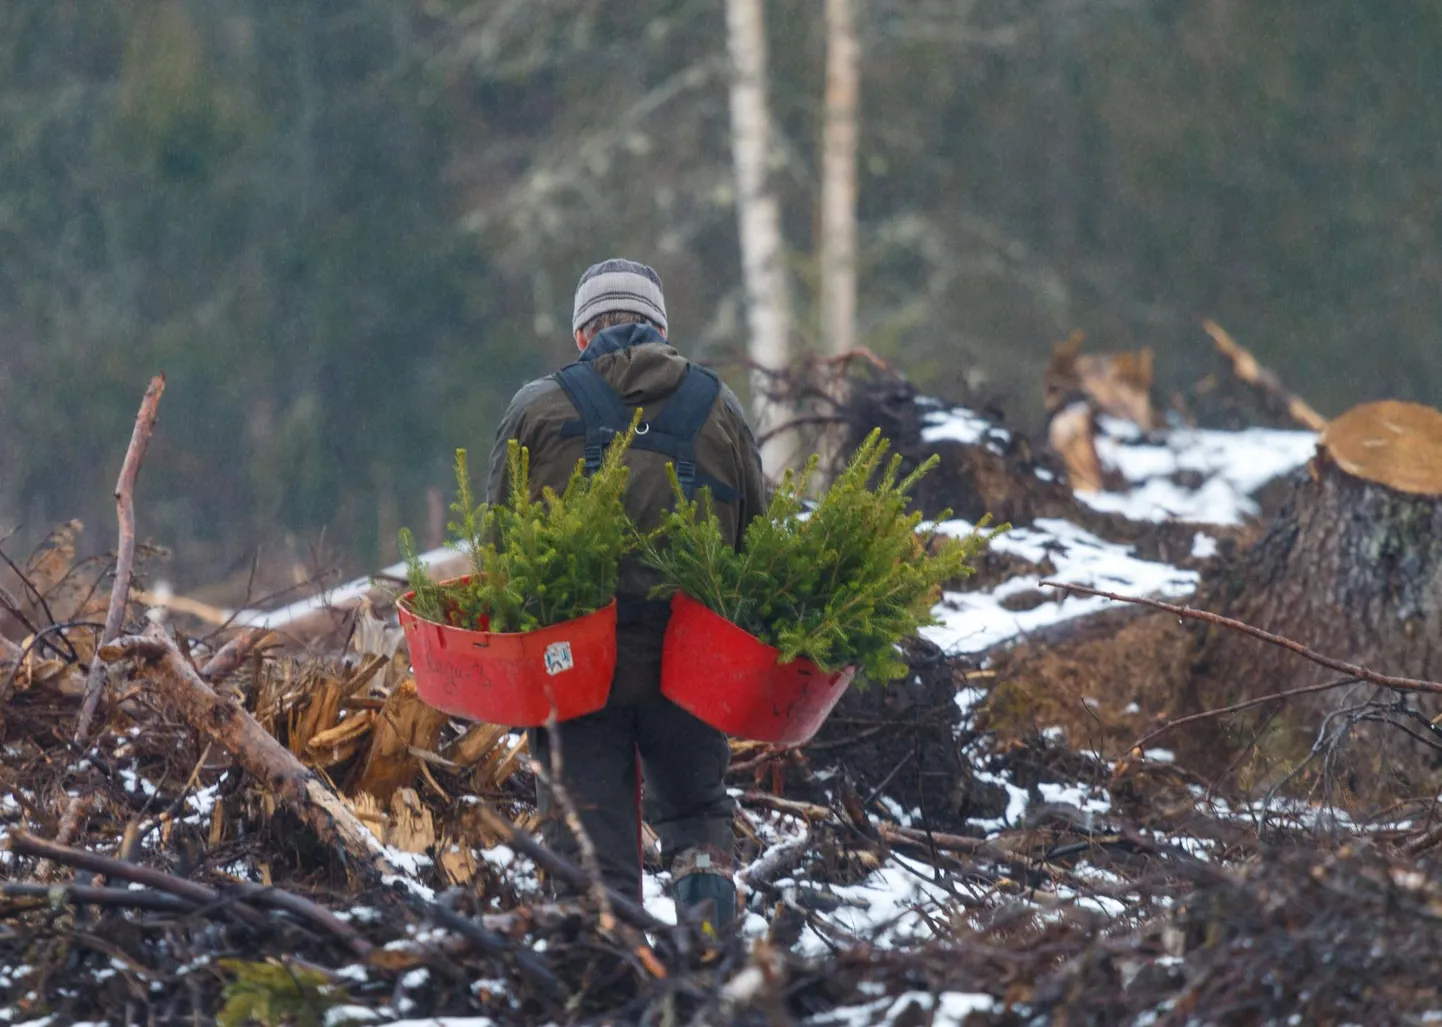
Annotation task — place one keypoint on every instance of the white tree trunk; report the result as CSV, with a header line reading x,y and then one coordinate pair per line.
x,y
768,300
838,178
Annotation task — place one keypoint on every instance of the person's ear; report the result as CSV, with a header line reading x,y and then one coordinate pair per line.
x,y
580,339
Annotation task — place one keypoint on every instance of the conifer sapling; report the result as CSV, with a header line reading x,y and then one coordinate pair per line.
x,y
535,562
840,584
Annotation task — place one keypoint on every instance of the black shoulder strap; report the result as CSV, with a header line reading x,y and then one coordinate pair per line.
x,y
603,415
671,433
683,418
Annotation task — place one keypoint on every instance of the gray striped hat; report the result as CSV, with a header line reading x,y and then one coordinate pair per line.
x,y
616,284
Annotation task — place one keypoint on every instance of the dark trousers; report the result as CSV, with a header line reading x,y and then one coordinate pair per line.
x,y
683,762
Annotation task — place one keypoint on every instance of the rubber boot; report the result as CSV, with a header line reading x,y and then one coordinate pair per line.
x,y
704,890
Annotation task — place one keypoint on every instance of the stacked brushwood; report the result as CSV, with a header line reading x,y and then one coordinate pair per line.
x,y
247,827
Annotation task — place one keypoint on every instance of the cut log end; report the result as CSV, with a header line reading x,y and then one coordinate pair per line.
x,y
1392,443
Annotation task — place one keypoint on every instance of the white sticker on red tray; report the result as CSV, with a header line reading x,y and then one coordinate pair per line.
x,y
558,658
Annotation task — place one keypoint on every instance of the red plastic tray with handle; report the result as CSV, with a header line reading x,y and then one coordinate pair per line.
x,y
729,678
513,678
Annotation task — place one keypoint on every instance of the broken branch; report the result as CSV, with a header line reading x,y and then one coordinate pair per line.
x,y
1246,367
232,654
125,555
225,722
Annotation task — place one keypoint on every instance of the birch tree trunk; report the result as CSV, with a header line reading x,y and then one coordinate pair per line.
x,y
838,178
837,300
768,301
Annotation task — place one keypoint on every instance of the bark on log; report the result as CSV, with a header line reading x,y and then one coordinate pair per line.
x,y
225,722
1352,566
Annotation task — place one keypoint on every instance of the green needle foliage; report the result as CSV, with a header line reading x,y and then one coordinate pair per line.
x,y
535,562
275,993
839,584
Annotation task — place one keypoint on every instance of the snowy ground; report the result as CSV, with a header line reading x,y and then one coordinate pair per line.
x,y
1194,476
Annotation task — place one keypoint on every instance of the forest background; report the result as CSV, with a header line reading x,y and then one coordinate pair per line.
x,y
347,232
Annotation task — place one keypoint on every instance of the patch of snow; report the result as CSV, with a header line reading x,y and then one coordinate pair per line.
x,y
968,698
1204,547
654,897
953,1007
1160,755
1074,795
884,908
1233,465
973,621
1017,801
137,784
962,425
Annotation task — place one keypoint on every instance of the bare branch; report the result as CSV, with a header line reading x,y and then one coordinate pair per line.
x,y
125,556
1385,680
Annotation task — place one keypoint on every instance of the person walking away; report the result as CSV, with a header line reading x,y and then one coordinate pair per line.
x,y
689,418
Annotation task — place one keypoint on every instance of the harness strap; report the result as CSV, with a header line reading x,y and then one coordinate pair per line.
x,y
671,433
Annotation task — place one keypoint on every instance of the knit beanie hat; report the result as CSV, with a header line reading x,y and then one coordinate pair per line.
x,y
616,284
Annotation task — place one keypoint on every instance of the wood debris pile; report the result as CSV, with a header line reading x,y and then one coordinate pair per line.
x,y
264,827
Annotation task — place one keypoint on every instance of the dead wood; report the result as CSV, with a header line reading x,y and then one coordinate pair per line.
x,y
125,554
249,895
1246,367
23,844
404,724
1117,384
231,655
75,812
225,721
89,895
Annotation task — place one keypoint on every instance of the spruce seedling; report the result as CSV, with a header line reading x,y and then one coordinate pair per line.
x,y
535,562
841,583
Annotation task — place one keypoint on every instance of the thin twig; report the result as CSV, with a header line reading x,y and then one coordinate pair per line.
x,y
559,867
1325,686
251,894
9,684
44,606
75,811
125,555
1385,680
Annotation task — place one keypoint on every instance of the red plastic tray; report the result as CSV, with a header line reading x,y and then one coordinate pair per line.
x,y
731,679
514,678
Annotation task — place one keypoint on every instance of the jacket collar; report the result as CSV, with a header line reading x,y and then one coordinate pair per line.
x,y
621,337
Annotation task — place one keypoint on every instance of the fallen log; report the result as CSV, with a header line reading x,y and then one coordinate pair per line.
x,y
225,722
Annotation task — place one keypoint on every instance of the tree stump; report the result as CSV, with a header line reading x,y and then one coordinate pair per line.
x,y
1351,567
